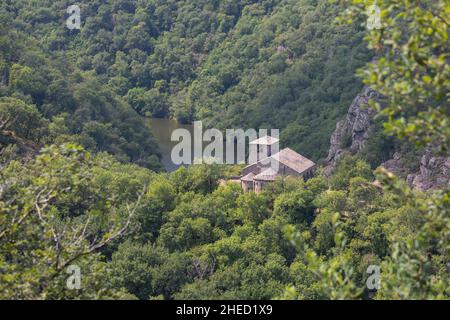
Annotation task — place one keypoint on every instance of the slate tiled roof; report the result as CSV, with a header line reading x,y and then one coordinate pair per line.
x,y
293,160
266,175
248,177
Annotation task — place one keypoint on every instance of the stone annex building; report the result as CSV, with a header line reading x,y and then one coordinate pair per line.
x,y
288,163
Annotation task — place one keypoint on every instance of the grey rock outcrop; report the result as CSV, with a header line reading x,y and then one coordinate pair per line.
x,y
352,132
434,172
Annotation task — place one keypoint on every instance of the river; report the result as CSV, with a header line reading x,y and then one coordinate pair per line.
x,y
162,130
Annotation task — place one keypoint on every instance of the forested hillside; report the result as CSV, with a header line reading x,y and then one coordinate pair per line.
x,y
233,64
46,98
291,68
80,181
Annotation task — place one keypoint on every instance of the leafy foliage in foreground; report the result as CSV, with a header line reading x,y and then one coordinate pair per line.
x,y
184,235
412,69
189,235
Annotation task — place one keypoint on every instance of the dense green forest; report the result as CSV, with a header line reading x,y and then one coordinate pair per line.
x,y
56,101
233,64
189,238
81,183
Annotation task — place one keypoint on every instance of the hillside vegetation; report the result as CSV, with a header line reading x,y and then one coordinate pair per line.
x,y
80,187
186,237
233,64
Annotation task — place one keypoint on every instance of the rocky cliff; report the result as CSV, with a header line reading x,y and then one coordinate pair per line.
x,y
434,172
352,133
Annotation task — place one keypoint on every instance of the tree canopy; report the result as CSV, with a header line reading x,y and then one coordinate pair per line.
x,y
80,180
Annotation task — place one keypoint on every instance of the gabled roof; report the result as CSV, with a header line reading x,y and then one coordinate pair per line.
x,y
293,160
265,141
248,178
266,175
287,157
